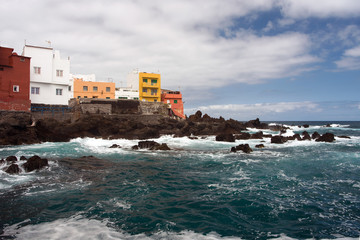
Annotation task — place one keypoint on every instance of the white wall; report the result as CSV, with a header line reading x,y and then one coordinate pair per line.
x,y
132,80
47,80
126,92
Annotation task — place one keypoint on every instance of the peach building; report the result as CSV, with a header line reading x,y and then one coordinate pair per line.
x,y
174,101
89,89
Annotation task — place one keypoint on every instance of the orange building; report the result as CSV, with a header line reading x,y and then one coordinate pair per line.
x,y
174,100
14,81
87,89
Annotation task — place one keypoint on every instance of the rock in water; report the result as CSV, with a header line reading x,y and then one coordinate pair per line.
x,y
327,137
278,139
260,146
306,136
35,163
315,135
242,147
148,144
11,159
163,147
225,137
13,168
115,146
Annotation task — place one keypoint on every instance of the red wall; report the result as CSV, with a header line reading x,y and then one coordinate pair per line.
x,y
178,108
14,71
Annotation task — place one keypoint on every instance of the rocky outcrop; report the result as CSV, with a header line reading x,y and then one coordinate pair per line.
x,y
151,145
115,146
260,146
306,136
278,139
242,147
315,135
13,169
35,163
327,137
225,137
11,159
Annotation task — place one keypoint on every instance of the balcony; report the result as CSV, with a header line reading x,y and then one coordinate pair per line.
x,y
149,94
151,85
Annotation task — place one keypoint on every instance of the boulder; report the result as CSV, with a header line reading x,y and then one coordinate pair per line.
x,y
306,136
258,135
147,144
242,147
225,137
260,146
347,137
243,136
306,125
297,136
327,137
23,158
2,161
135,147
11,159
315,135
35,163
163,147
115,146
13,169
278,139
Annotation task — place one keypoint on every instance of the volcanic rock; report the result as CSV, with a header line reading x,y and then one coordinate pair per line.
x,y
11,159
243,136
278,139
297,136
327,137
258,135
225,137
115,146
260,146
347,137
13,168
242,147
315,135
23,158
135,147
35,163
163,147
306,136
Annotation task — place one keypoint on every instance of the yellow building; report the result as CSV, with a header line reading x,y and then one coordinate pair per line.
x,y
87,89
148,84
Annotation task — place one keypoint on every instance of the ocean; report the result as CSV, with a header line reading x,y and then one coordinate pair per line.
x,y
197,190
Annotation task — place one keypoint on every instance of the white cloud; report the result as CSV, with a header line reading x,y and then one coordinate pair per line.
x,y
179,38
320,8
350,60
247,111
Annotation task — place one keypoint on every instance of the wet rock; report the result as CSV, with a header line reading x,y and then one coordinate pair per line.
x,y
260,146
243,136
115,146
278,139
23,158
327,137
13,169
258,135
306,126
11,159
135,147
35,163
346,137
306,136
225,137
242,147
2,161
163,147
315,135
147,144
193,138
297,136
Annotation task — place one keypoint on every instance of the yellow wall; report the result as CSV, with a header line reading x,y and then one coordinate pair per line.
x,y
101,92
152,87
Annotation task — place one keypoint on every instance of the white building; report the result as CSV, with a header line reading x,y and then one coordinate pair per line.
x,y
49,76
126,93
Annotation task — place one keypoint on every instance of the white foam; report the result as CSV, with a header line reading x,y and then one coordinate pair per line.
x,y
80,228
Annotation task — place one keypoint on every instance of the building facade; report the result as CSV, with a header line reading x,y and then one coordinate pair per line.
x,y
49,76
126,93
174,100
14,81
88,89
147,84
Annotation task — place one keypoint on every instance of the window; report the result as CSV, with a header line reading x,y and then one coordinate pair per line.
x,y
35,90
107,89
144,80
85,96
107,97
145,90
153,81
167,101
95,97
22,59
85,88
136,98
155,100
69,88
37,70
175,101
59,73
153,91
95,89
58,91
16,88
79,97
123,98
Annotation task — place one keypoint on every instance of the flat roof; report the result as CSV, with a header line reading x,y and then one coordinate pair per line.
x,y
48,48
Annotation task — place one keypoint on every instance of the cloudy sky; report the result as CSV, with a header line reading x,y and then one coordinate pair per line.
x,y
272,59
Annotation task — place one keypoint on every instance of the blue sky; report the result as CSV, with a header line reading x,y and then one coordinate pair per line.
x,y
272,59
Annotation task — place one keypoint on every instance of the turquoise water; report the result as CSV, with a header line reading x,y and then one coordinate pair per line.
x,y
198,190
